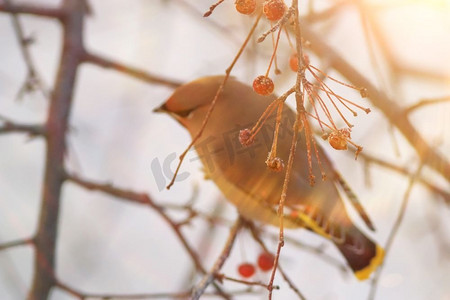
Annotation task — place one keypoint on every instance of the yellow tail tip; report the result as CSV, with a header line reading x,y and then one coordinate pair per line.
x,y
372,266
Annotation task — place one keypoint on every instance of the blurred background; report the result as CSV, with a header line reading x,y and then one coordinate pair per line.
x,y
109,246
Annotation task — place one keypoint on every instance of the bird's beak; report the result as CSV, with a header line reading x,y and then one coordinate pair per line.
x,y
161,109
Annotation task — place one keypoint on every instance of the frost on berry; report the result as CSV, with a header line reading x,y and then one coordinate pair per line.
x,y
245,137
263,85
274,9
246,270
338,138
245,7
275,164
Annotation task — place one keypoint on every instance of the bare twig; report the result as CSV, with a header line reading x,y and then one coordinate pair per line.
x,y
145,199
32,130
140,198
200,288
33,79
246,282
394,231
402,170
181,295
316,250
17,243
256,236
393,112
83,296
214,101
32,9
128,70
425,102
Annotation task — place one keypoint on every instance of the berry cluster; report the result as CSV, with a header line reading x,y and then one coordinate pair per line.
x,y
323,102
265,263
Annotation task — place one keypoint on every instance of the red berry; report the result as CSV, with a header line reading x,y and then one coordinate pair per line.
x,y
274,9
263,85
293,62
246,270
245,137
245,7
266,261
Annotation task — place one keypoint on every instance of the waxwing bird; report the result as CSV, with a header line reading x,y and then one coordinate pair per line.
x,y
242,176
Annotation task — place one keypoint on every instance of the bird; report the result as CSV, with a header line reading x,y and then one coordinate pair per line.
x,y
241,174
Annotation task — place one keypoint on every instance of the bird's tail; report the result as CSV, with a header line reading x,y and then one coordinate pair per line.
x,y
361,253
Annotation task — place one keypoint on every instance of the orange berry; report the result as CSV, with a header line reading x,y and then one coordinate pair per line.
x,y
263,85
293,61
274,9
245,7
266,261
338,138
275,164
246,270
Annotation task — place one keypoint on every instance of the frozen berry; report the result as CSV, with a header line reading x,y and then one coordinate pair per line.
x,y
266,261
245,7
274,9
275,164
338,138
246,270
245,137
263,85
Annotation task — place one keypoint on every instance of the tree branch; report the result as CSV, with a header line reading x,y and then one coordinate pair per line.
x,y
131,71
200,288
32,130
16,243
393,112
143,198
57,124
31,9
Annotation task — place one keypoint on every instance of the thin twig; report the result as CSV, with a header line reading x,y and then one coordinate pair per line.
x,y
181,295
143,198
390,108
32,130
140,198
404,171
425,102
200,288
246,282
17,243
316,250
33,79
255,235
32,9
394,231
214,101
128,70
82,296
